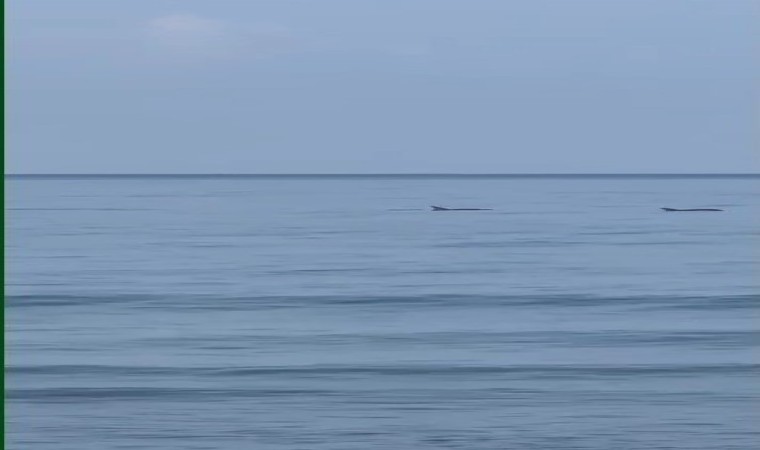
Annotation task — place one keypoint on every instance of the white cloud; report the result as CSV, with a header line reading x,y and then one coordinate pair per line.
x,y
186,24
190,35
193,36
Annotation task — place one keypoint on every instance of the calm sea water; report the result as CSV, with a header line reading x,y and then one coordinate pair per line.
x,y
338,313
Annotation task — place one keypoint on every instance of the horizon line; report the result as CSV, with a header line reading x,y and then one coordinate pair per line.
x,y
410,174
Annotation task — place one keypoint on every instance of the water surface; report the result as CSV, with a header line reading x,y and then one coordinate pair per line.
x,y
339,313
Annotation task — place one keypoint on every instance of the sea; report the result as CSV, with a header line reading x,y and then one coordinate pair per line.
x,y
291,312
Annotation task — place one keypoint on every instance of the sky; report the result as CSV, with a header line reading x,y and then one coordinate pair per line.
x,y
382,86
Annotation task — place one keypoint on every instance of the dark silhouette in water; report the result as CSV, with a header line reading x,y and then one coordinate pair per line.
x,y
441,208
693,209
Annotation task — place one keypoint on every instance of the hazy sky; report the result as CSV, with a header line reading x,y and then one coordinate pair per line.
x,y
373,86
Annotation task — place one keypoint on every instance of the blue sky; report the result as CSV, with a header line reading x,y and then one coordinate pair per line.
x,y
383,86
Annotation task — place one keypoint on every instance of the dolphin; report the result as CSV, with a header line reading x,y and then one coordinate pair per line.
x,y
693,209
441,208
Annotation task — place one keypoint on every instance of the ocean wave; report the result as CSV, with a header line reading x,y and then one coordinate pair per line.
x,y
143,393
532,371
183,301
